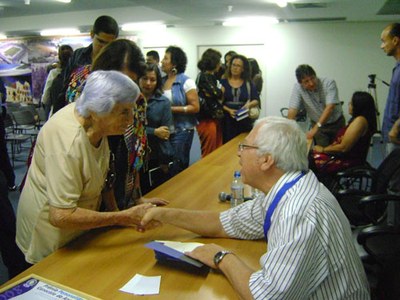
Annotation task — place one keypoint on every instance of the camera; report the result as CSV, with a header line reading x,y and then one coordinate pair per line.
x,y
372,78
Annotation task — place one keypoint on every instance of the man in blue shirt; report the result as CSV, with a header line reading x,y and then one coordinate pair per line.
x,y
391,119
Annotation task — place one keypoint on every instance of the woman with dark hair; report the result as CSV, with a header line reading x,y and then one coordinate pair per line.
x,y
210,95
256,75
129,150
350,146
239,93
181,91
158,129
55,79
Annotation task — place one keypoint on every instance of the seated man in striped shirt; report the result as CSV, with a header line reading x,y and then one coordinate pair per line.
x,y
310,251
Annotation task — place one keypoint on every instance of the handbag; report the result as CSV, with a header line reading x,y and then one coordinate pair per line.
x,y
254,113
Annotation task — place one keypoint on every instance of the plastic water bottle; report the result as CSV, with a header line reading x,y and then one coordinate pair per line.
x,y
237,190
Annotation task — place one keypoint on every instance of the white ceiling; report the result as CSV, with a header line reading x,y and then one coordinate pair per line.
x,y
16,18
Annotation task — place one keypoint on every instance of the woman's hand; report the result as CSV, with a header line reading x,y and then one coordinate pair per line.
x,y
154,201
230,111
318,148
162,132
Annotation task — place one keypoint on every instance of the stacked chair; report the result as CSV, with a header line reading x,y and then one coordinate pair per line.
x,y
370,198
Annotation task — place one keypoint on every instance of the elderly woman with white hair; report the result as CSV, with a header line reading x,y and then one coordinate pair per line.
x,y
63,190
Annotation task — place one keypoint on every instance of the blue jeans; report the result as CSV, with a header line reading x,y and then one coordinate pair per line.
x,y
181,141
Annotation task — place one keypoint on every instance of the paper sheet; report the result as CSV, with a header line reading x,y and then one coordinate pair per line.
x,y
181,247
143,285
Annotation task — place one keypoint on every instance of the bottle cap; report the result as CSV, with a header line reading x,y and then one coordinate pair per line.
x,y
237,174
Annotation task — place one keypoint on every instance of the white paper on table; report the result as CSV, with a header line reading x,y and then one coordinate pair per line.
x,y
181,247
142,285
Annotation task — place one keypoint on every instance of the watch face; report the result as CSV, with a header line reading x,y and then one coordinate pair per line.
x,y
219,256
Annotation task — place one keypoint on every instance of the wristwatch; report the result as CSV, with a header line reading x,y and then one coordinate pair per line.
x,y
219,256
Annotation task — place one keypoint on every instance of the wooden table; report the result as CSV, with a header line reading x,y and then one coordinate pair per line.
x,y
100,262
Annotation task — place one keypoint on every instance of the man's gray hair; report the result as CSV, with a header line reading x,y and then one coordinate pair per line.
x,y
104,89
284,140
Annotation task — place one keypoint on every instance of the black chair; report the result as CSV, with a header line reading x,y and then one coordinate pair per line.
x,y
356,183
15,138
25,122
301,115
372,205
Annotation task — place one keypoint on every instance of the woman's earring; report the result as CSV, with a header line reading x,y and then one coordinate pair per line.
x,y
174,70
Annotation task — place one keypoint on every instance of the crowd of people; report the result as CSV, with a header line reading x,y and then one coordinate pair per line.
x,y
117,115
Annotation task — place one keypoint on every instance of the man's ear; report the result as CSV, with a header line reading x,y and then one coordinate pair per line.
x,y
91,34
267,162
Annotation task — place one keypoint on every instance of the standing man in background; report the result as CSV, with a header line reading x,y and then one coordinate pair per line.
x,y
105,30
152,57
391,119
319,97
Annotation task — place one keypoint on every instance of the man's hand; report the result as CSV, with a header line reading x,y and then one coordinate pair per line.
x,y
206,254
151,219
133,216
310,134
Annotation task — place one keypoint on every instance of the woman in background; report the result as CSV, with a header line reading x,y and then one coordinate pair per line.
x,y
351,144
49,98
210,95
158,129
181,91
256,75
239,93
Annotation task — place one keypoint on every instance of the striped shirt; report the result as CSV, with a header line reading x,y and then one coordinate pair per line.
x,y
310,250
315,102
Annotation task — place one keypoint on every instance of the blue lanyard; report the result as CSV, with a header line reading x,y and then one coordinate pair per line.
x,y
279,194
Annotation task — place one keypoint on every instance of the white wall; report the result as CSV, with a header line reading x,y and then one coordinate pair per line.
x,y
347,52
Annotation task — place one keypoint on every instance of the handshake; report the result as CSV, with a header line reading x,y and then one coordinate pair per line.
x,y
141,216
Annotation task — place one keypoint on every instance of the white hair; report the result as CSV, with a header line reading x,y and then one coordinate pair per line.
x,y
284,140
104,89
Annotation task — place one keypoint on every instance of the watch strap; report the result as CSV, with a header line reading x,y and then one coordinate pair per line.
x,y
219,256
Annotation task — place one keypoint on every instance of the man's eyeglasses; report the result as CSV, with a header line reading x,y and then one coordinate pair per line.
x,y
243,146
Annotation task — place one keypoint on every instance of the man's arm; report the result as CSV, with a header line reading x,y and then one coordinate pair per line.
x,y
394,133
237,272
322,120
205,223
